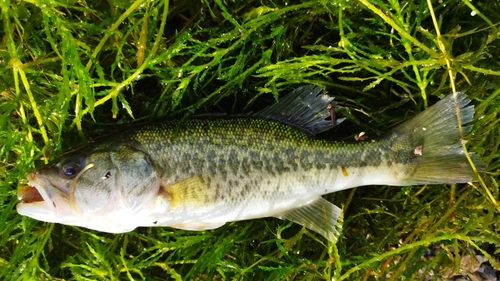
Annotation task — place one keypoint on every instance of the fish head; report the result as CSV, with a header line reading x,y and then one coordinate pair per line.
x,y
104,189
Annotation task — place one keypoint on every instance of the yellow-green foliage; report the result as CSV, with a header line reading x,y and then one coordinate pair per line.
x,y
70,69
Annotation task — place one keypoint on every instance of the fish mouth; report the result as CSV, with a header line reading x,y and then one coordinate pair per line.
x,y
35,198
29,194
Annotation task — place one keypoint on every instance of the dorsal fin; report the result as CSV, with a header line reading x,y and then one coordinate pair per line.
x,y
306,108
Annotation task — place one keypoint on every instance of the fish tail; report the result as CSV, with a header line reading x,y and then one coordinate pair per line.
x,y
434,139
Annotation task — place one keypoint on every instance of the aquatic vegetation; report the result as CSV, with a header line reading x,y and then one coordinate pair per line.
x,y
74,70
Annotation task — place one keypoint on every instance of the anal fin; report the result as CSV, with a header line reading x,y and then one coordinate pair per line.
x,y
319,216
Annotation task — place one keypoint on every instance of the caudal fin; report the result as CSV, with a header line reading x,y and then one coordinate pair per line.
x,y
435,139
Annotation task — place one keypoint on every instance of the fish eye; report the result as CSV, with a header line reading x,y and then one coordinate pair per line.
x,y
70,169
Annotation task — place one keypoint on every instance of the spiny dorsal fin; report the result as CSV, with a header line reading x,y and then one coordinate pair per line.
x,y
319,216
306,108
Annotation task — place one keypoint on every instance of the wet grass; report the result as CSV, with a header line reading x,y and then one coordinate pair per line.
x,y
71,70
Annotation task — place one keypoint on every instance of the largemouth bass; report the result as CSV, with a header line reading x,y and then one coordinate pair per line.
x,y
201,173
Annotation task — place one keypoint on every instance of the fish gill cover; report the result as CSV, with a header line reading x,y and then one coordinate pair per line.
x,y
73,70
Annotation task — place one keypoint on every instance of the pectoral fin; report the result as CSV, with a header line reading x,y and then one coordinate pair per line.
x,y
190,191
319,216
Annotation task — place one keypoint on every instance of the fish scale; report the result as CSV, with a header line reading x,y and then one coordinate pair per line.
x,y
239,171
280,150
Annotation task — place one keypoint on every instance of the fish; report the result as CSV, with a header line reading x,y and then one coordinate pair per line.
x,y
200,173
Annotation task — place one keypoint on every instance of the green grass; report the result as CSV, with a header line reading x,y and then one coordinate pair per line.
x,y
71,70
